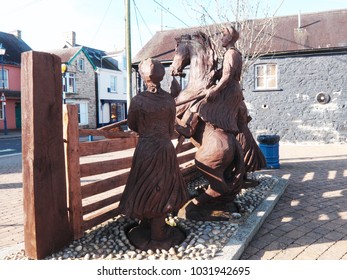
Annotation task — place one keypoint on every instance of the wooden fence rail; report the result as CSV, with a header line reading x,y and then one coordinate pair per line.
x,y
97,172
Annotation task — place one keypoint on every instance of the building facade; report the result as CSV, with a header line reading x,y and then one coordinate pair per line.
x,y
93,81
303,100
10,75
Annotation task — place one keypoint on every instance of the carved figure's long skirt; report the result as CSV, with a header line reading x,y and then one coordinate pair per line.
x,y
155,185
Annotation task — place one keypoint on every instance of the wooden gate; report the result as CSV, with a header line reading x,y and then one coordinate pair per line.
x,y
97,171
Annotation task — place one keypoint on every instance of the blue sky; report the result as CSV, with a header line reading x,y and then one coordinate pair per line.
x,y
100,24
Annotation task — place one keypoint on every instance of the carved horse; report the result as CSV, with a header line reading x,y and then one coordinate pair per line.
x,y
219,155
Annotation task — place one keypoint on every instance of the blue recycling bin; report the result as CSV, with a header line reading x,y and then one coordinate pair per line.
x,y
269,145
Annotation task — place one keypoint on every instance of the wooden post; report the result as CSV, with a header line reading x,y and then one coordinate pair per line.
x,y
73,174
46,226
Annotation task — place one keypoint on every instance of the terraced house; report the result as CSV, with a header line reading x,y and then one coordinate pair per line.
x,y
12,46
93,81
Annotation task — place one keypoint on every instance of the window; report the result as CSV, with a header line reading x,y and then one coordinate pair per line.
x,y
117,112
113,83
266,76
83,113
69,83
4,79
81,64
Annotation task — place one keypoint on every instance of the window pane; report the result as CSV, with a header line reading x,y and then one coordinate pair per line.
x,y
113,83
271,82
271,70
5,80
81,64
260,82
260,70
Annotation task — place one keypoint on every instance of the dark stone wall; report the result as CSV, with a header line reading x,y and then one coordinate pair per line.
x,y
293,111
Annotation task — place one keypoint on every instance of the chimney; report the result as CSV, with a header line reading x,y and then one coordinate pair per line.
x,y
17,33
70,38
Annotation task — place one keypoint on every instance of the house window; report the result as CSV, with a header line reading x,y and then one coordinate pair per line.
x,y
83,113
4,79
117,112
266,76
81,64
113,83
69,83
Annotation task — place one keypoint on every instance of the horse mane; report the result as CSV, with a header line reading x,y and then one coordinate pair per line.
x,y
205,41
202,43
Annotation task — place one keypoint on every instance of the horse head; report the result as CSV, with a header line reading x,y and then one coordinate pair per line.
x,y
182,55
196,50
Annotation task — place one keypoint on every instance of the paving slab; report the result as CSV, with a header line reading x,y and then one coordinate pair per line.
x,y
246,231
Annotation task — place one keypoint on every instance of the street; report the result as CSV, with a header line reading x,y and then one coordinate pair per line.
x,y
9,146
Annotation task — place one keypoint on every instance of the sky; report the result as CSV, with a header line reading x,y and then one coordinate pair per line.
x,y
101,24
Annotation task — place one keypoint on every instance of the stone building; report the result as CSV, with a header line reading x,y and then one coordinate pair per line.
x,y
93,81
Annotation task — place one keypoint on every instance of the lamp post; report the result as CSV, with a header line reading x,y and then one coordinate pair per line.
x,y
3,98
63,72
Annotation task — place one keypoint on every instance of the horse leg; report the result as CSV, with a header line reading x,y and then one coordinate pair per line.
x,y
188,124
220,154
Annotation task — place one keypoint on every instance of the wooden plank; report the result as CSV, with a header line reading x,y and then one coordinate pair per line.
x,y
107,146
186,146
72,164
101,204
105,185
99,218
46,224
107,134
186,157
99,167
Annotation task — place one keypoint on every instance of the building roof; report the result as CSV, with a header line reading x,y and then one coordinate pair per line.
x,y
14,48
94,56
100,60
67,54
323,30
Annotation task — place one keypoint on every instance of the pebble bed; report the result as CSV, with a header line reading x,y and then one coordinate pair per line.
x,y
204,241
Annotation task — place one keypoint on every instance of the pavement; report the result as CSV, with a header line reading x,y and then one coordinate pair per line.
x,y
309,220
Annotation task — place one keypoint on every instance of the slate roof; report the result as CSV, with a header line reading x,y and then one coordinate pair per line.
x,y
14,48
94,56
323,30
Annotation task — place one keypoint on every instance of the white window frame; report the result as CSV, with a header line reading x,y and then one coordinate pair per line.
x,y
69,83
82,111
81,65
5,78
266,76
113,83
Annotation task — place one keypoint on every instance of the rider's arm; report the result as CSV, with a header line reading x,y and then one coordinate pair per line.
x,y
227,74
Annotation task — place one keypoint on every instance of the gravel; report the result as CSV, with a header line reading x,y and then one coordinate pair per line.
x,y
204,241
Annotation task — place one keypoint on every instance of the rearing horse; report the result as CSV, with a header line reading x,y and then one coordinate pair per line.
x,y
219,155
